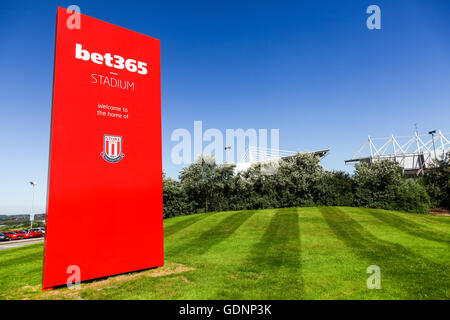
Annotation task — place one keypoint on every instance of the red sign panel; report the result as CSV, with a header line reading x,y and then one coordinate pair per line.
x,y
104,210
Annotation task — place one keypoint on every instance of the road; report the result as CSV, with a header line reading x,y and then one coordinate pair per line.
x,y
19,243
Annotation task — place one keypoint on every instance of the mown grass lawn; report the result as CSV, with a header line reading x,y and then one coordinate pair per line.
x,y
293,253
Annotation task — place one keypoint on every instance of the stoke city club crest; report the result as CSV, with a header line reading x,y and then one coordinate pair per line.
x,y
112,148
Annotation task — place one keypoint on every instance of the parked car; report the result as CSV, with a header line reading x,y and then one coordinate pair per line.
x,y
35,233
4,237
25,233
13,235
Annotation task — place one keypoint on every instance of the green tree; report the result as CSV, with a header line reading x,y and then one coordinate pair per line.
x,y
437,183
376,183
335,188
175,199
299,181
207,184
410,196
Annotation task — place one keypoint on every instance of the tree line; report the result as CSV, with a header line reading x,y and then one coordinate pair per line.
x,y
206,186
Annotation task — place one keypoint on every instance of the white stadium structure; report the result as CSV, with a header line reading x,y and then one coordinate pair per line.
x,y
414,153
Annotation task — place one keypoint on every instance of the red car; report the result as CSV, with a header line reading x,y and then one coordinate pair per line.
x,y
13,235
26,234
34,233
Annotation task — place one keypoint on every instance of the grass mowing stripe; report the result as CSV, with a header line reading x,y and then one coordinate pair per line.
x,y
270,266
276,257
18,253
292,253
397,264
22,268
410,227
185,223
437,219
209,238
20,259
280,244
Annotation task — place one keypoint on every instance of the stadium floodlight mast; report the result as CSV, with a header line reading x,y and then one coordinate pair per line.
x,y
432,138
33,183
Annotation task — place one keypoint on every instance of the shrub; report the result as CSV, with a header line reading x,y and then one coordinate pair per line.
x,y
335,188
175,199
411,196
299,181
376,183
437,184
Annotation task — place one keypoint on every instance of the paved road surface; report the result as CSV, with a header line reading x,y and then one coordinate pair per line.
x,y
18,243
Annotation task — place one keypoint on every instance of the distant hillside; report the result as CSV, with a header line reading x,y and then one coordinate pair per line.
x,y
20,218
39,216
17,218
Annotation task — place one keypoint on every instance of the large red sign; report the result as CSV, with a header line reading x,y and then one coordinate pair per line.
x,y
104,210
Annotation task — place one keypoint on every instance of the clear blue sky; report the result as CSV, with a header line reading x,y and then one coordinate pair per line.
x,y
309,68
